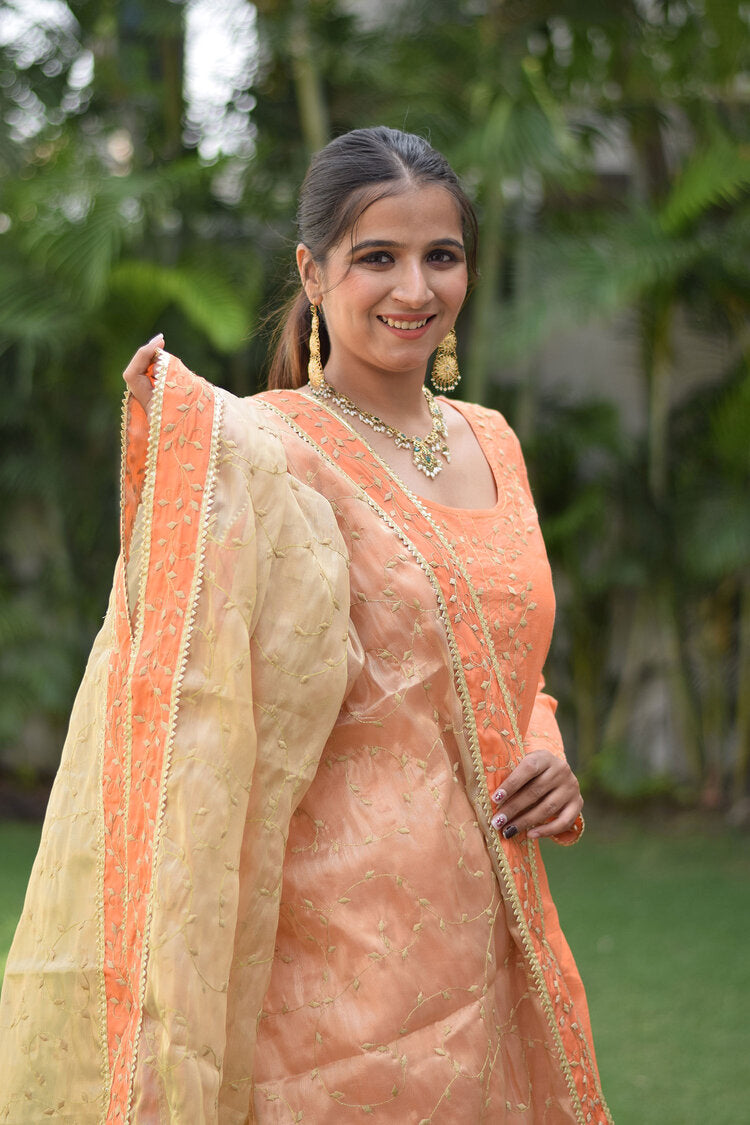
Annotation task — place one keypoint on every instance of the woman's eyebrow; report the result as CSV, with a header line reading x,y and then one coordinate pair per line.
x,y
370,243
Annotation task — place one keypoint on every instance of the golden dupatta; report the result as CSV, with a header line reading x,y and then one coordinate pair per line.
x,y
208,696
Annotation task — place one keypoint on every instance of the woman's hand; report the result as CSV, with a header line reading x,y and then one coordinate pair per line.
x,y
135,373
540,796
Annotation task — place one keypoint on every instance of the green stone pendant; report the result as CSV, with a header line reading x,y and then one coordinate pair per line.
x,y
424,459
424,451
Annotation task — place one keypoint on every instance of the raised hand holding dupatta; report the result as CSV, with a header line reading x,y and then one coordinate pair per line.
x,y
135,374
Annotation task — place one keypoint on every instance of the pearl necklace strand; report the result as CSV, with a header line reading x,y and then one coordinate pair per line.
x,y
424,451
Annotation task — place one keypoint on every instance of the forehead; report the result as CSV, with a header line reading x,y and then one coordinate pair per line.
x,y
416,213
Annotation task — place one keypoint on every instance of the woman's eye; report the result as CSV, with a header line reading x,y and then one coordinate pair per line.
x,y
443,256
377,258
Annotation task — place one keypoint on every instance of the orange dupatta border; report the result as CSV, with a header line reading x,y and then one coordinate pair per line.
x,y
482,690
145,673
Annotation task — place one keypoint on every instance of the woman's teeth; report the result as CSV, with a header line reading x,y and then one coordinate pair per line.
x,y
403,323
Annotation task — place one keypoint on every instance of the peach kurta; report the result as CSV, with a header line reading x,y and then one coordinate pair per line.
x,y
268,889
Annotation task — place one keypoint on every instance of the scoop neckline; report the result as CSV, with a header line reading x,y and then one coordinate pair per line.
x,y
460,406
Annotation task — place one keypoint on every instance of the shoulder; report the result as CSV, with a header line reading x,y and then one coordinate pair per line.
x,y
289,405
248,428
263,460
302,424
491,426
482,416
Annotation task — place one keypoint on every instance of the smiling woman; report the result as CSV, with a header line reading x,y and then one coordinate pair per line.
x,y
303,879
387,302
404,280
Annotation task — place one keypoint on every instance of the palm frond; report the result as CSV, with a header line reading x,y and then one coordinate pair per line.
x,y
730,430
516,135
714,538
575,280
204,297
717,175
84,221
79,255
36,313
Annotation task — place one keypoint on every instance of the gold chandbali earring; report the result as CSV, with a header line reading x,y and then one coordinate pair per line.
x,y
445,374
314,366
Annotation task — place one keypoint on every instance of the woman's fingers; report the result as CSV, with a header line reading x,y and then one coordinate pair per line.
x,y
548,818
135,373
533,780
541,793
561,823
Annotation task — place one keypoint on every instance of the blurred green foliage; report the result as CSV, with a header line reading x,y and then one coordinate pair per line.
x,y
118,218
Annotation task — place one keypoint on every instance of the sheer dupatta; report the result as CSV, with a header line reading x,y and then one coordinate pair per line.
x,y
208,697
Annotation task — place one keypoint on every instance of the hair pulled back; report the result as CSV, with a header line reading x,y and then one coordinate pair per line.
x,y
341,182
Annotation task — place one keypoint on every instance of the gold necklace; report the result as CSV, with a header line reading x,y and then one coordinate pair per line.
x,y
424,451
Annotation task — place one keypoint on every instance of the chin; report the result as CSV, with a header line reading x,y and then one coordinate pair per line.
x,y
404,369
406,363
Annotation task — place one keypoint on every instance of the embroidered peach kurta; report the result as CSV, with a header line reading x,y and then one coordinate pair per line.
x,y
268,889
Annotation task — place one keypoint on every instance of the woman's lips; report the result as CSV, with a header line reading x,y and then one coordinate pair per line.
x,y
400,325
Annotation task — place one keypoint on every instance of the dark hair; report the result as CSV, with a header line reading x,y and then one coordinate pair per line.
x,y
342,181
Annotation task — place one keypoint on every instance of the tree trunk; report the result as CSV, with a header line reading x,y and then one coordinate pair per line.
x,y
528,392
308,84
656,322
742,764
616,725
714,640
686,713
584,693
485,299
172,60
653,619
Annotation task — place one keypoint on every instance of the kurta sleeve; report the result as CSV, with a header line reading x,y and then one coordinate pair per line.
x,y
544,734
136,977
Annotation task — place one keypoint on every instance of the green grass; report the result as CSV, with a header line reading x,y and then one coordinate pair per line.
x,y
18,844
659,921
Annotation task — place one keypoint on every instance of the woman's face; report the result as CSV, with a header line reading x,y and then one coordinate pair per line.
x,y
392,287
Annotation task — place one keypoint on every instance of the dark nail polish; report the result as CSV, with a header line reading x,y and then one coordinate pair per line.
x,y
510,831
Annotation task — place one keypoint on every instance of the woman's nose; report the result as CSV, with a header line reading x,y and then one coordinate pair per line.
x,y
412,287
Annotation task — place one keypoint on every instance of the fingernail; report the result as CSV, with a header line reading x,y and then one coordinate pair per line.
x,y
158,336
498,795
510,831
498,820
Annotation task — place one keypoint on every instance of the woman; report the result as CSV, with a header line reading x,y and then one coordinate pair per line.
x,y
290,870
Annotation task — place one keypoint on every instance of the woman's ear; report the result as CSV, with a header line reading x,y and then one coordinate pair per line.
x,y
310,274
